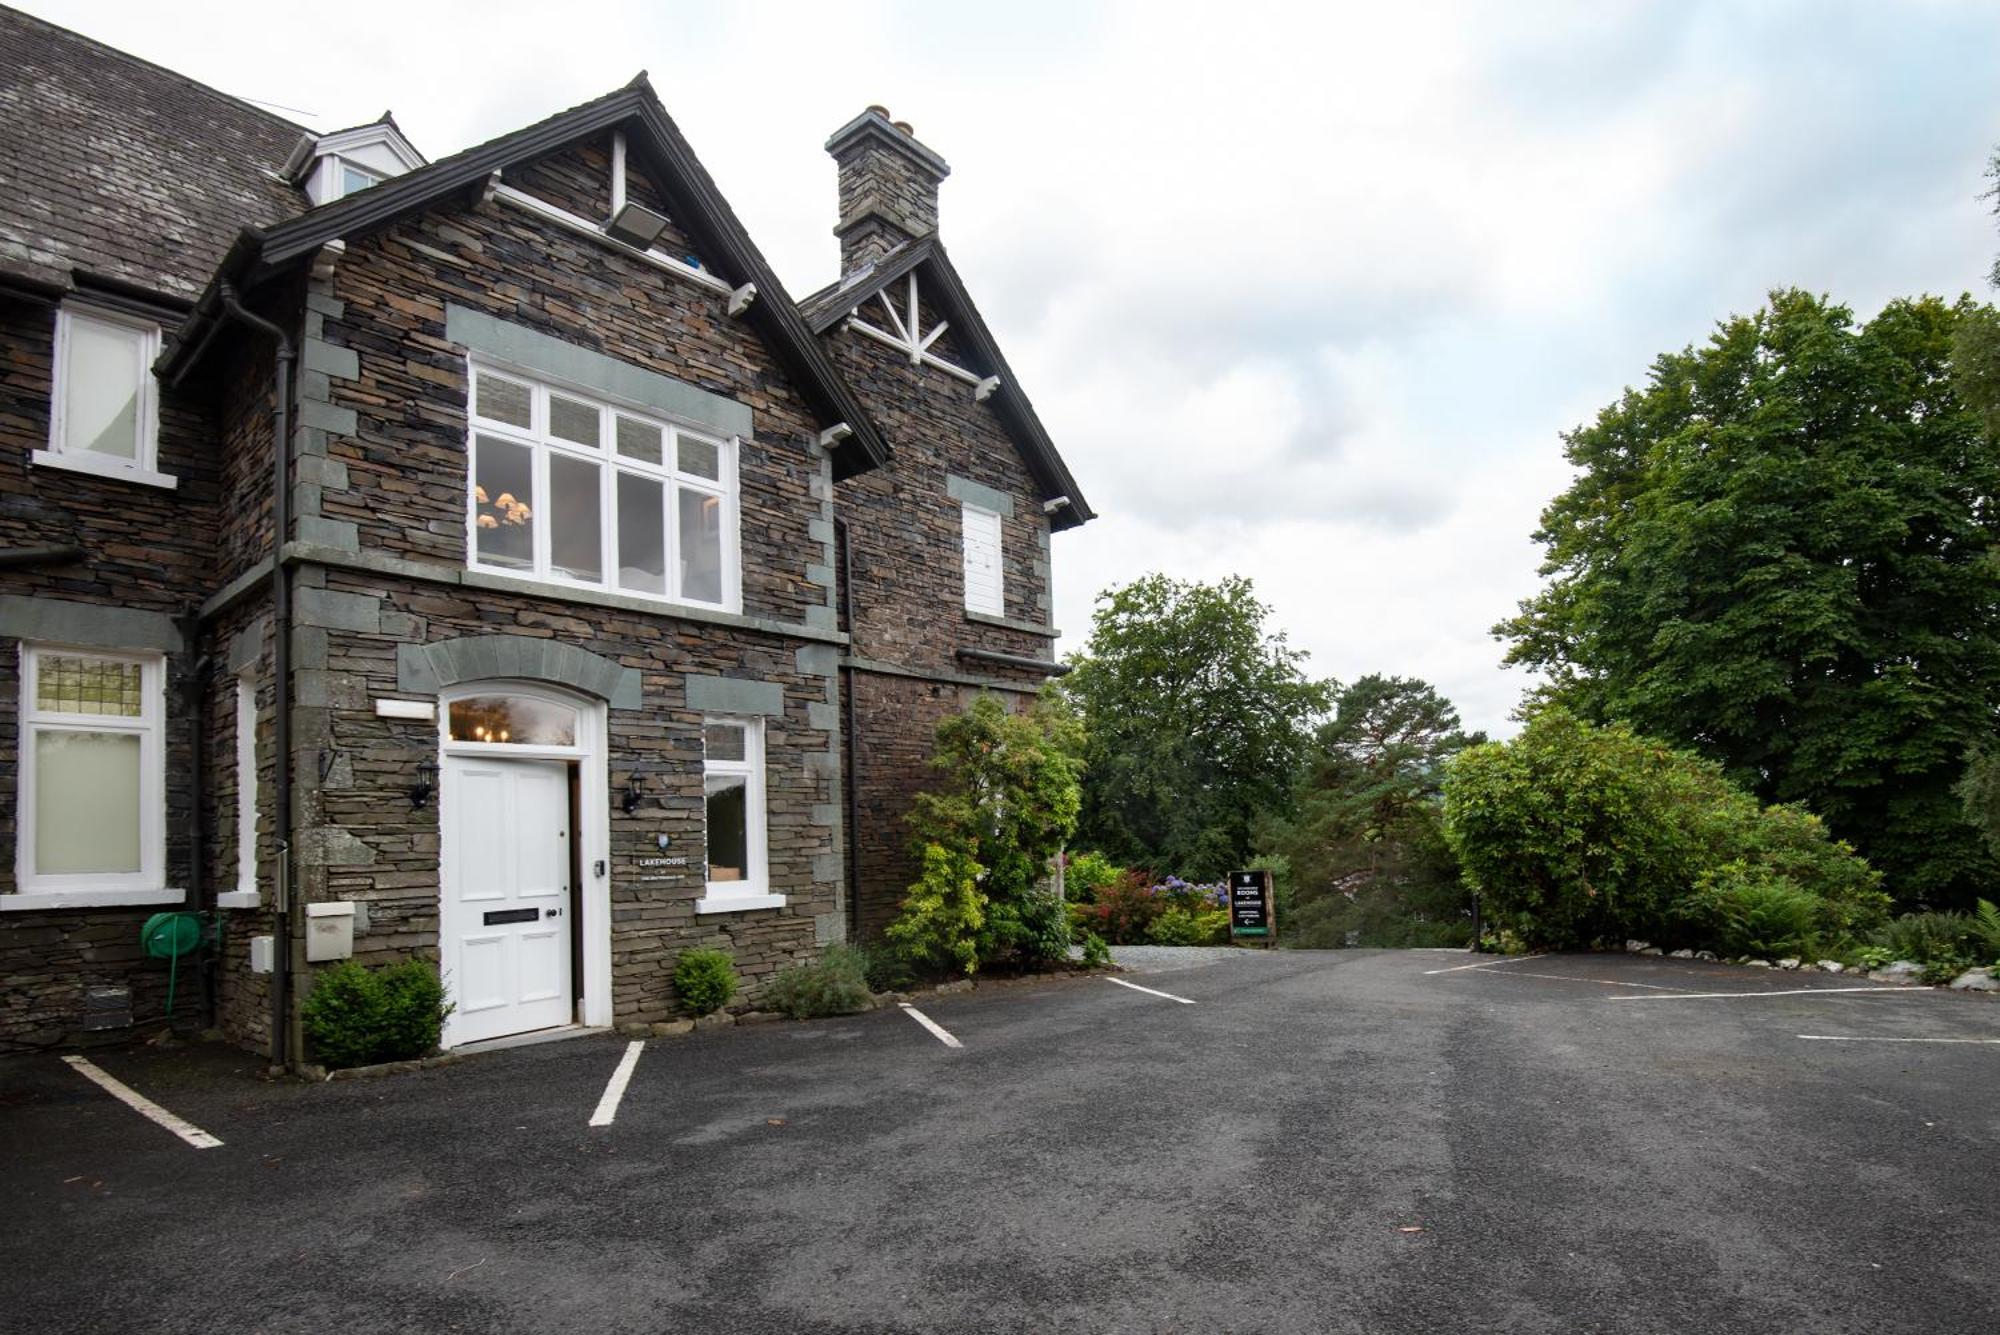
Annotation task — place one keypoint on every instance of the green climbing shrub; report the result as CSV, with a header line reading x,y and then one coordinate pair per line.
x,y
986,836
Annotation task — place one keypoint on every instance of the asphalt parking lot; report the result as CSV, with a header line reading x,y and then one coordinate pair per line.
x,y
1343,1141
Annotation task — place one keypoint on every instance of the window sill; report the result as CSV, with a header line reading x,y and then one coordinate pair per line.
x,y
27,901
1013,623
239,899
103,467
714,903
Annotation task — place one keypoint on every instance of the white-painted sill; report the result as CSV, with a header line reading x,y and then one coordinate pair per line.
x,y
101,466
239,899
737,903
26,901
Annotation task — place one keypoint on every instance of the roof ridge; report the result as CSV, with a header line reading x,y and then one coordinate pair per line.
x,y
188,79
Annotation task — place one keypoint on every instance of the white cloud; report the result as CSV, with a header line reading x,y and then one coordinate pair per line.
x,y
1305,293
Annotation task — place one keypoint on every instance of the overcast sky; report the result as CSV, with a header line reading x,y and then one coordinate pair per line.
x,y
1303,292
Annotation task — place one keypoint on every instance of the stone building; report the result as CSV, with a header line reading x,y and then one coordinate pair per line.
x,y
483,558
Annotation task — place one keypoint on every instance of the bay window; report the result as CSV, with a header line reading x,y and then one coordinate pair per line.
x,y
91,809
576,491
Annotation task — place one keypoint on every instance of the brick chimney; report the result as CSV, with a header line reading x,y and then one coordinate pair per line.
x,y
888,187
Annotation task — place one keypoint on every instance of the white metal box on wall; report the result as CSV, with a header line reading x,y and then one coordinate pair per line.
x,y
329,932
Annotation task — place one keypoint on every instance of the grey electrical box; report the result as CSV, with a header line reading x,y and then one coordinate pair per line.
x,y
107,1008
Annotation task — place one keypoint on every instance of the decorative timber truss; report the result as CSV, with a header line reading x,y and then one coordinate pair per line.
x,y
906,334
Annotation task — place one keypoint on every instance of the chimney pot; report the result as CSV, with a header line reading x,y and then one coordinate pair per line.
x,y
904,126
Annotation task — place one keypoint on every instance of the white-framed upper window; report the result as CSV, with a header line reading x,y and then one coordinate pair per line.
x,y
733,784
246,793
92,808
985,589
104,410
573,490
353,180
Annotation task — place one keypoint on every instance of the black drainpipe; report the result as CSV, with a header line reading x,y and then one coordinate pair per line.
x,y
199,883
849,729
281,653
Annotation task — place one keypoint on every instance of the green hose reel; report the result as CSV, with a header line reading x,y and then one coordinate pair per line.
x,y
168,936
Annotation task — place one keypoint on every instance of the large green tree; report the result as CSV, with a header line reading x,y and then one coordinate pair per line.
x,y
1365,854
1781,553
1197,717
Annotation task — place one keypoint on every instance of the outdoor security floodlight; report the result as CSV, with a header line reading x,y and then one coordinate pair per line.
x,y
636,226
1050,507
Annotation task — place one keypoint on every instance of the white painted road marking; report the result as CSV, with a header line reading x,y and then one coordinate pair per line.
x,y
607,1107
1484,964
943,1035
1149,991
1867,1038
1594,982
142,1105
1790,992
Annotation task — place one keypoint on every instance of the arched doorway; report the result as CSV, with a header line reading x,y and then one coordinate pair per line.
x,y
523,903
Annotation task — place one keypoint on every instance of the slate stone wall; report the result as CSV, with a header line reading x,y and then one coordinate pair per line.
x,y
385,596
907,601
384,393
360,839
147,557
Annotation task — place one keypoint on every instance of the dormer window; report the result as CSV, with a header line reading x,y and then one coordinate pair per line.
x,y
353,180
346,162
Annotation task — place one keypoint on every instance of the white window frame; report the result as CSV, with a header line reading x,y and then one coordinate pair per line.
x,y
537,437
93,889
245,895
342,166
969,516
754,890
143,467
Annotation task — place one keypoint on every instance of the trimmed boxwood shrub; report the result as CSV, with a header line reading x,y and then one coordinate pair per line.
x,y
357,1016
705,979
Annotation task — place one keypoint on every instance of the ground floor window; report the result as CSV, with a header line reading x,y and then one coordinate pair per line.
x,y
92,802
246,786
733,780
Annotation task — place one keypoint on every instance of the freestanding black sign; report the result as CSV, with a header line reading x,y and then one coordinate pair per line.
x,y
1252,906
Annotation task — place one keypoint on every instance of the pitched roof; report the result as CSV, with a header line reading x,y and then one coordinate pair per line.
x,y
654,144
825,309
125,171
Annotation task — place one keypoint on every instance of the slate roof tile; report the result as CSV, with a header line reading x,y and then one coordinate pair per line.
x,y
124,170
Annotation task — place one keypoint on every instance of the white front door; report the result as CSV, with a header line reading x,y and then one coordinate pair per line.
x,y
505,926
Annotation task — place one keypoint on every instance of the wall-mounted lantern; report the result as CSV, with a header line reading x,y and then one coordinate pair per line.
x,y
635,792
426,784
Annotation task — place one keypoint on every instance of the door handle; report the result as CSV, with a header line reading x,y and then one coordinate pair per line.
x,y
552,913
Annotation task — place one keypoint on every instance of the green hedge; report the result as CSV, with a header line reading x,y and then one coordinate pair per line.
x,y
1580,836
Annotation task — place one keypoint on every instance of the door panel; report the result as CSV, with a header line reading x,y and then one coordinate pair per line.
x,y
506,925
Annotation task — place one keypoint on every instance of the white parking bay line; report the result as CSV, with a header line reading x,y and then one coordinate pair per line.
x,y
943,1035
142,1105
607,1106
1483,964
1149,991
1788,992
1870,1038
